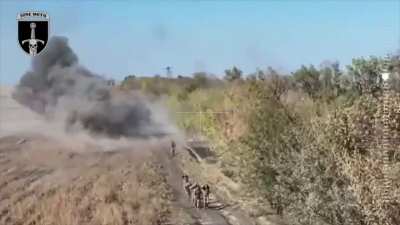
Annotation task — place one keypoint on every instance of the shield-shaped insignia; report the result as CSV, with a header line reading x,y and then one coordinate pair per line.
x,y
33,31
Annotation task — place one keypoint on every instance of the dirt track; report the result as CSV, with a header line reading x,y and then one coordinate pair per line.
x,y
200,216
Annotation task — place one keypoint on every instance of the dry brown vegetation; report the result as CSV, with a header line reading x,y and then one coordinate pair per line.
x,y
111,199
359,139
66,188
308,144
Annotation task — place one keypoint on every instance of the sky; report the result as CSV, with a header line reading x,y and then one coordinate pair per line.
x,y
119,38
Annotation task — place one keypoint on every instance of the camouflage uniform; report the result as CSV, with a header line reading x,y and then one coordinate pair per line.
x,y
173,146
197,195
186,186
206,194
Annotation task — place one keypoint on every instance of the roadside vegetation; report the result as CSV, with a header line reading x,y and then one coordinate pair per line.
x,y
308,143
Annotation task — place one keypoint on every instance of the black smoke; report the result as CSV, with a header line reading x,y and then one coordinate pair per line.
x,y
57,84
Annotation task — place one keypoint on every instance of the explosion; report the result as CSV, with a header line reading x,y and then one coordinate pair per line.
x,y
59,88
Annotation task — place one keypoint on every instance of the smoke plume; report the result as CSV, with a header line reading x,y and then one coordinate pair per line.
x,y
58,87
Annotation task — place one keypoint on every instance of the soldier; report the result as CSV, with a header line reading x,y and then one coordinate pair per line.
x,y
192,188
173,146
186,186
197,195
206,194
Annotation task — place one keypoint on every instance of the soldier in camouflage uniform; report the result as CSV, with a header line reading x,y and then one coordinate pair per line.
x,y
186,186
196,195
206,195
173,148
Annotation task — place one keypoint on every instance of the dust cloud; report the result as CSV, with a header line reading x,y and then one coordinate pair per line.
x,y
65,93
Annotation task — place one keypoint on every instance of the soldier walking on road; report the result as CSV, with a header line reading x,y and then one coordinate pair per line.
x,y
173,148
206,195
186,186
197,195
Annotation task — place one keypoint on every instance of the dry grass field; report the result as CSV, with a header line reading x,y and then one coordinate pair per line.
x,y
51,185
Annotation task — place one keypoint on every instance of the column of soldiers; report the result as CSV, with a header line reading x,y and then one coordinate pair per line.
x,y
198,195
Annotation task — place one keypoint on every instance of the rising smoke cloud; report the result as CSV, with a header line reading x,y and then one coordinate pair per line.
x,y
59,88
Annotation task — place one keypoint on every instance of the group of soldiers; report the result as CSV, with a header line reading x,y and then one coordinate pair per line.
x,y
197,194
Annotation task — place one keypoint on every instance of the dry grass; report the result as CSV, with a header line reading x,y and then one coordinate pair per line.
x,y
137,195
99,188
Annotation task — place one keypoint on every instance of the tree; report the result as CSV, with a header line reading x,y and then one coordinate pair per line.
x,y
356,135
200,79
128,82
394,68
366,75
308,80
129,77
233,74
276,83
330,77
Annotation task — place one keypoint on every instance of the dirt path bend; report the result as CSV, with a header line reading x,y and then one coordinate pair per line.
x,y
215,215
201,216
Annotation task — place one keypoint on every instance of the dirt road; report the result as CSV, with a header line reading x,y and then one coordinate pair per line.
x,y
173,174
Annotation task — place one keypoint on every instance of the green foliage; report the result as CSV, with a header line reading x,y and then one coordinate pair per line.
x,y
268,122
158,86
295,140
200,79
233,74
321,169
288,159
308,80
365,75
330,76
355,135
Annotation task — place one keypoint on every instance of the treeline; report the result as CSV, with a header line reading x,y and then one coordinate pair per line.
x,y
326,82
309,143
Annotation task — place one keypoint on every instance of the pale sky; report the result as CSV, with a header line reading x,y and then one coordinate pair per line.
x,y
118,38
